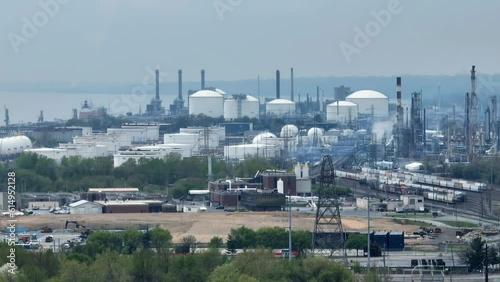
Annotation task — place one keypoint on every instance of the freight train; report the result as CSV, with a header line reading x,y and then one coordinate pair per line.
x,y
405,187
458,184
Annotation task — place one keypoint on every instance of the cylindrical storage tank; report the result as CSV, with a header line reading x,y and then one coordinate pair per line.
x,y
207,102
342,112
14,145
241,105
280,186
370,103
280,107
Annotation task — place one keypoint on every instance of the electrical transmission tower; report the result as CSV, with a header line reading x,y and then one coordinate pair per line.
x,y
328,231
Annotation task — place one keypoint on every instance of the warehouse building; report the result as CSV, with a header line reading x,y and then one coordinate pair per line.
x,y
131,206
85,207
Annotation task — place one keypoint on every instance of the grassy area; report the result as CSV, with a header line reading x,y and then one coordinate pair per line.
x,y
409,215
404,221
459,223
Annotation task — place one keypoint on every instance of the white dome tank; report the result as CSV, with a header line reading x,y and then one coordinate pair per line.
x,y
207,102
342,111
241,105
370,102
315,132
265,138
289,131
14,145
280,107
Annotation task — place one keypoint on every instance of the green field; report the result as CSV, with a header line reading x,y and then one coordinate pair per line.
x,y
459,223
409,215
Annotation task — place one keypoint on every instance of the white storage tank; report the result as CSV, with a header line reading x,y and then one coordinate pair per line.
x,y
266,138
241,105
280,107
14,145
342,111
370,102
289,131
207,102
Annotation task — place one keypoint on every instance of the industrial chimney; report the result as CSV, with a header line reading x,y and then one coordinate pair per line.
x,y
291,75
157,73
202,79
277,84
399,106
180,84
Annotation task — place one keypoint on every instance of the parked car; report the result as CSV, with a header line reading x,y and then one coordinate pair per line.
x,y
220,207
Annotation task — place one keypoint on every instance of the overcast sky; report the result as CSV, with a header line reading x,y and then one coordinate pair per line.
x,y
115,40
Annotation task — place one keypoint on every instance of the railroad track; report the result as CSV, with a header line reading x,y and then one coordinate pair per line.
x,y
472,205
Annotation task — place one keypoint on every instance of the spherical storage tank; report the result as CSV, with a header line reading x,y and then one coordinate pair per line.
x,y
370,102
289,131
241,105
14,145
342,111
280,107
207,102
266,138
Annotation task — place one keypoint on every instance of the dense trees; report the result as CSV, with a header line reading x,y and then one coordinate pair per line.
x,y
475,255
40,174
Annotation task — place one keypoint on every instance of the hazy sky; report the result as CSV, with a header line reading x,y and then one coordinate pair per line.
x,y
115,40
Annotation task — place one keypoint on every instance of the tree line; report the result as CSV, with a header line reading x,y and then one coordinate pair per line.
x,y
36,173
133,255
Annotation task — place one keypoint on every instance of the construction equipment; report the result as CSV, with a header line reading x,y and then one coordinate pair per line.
x,y
77,224
46,229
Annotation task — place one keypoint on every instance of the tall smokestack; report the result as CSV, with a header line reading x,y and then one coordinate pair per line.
x,y
400,106
180,84
277,84
157,73
291,75
202,79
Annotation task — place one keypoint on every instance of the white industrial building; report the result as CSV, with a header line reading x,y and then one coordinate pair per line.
x,y
14,145
90,150
84,207
219,131
370,103
241,105
137,132
240,152
303,185
280,107
342,111
207,102
157,151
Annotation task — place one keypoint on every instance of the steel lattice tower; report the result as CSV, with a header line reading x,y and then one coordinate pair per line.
x,y
328,231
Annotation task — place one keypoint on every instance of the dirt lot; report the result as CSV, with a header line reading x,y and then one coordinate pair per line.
x,y
202,225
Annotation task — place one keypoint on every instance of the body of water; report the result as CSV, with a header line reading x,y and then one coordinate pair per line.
x,y
26,107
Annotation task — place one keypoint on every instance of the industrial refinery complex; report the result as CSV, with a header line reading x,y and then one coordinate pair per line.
x,y
377,146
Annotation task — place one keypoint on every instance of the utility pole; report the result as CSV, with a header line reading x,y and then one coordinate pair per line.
x,y
368,246
486,265
289,225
